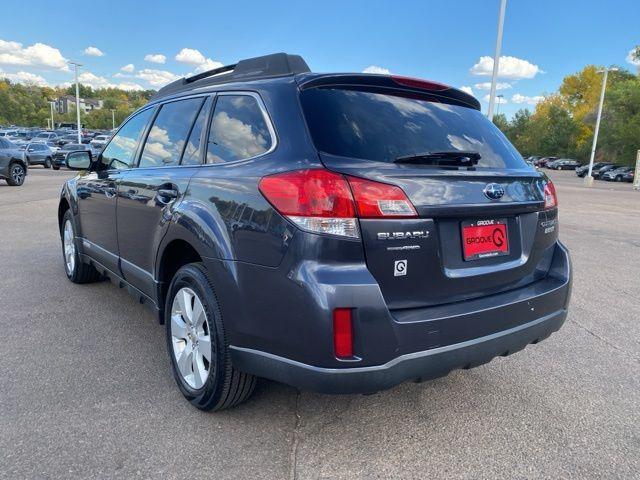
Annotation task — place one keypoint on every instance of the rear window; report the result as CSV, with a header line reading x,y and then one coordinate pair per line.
x,y
383,127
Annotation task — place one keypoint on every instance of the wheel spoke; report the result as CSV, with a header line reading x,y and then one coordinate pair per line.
x,y
198,313
199,372
204,346
184,300
185,360
178,327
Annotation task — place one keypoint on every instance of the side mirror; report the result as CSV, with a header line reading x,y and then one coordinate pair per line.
x,y
78,160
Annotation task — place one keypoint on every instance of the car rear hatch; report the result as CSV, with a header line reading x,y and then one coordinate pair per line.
x,y
481,226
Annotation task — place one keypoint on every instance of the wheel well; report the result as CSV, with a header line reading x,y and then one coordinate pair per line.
x,y
176,255
62,209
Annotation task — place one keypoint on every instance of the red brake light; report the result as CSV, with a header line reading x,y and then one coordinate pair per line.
x,y
342,333
550,197
418,83
321,201
376,200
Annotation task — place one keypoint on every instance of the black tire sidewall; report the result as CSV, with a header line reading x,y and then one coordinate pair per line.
x,y
194,277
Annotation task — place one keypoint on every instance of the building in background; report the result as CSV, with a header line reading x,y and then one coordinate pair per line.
x,y
67,103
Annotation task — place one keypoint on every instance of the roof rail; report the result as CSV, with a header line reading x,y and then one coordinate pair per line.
x,y
268,66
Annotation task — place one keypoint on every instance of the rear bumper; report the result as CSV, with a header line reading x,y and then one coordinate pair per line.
x,y
494,326
417,366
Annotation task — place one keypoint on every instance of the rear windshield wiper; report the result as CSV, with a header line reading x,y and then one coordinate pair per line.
x,y
453,158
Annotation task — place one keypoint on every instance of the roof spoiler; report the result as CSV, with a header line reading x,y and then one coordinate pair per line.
x,y
268,66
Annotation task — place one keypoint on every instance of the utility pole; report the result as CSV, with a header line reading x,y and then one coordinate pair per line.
x,y
113,119
588,180
76,65
496,59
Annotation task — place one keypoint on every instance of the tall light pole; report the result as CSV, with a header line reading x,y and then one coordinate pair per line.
x,y
113,119
499,97
52,124
496,59
76,65
588,180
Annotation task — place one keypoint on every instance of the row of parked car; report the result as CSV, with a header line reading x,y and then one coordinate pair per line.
x,y
601,170
23,147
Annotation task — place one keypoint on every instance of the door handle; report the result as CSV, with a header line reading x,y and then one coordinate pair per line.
x,y
167,195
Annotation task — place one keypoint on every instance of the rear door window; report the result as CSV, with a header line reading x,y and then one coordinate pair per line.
x,y
239,130
383,127
168,135
191,155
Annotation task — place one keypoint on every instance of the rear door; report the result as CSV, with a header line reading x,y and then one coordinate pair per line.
x,y
480,230
149,193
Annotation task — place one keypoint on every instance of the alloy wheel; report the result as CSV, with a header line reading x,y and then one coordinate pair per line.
x,y
190,338
69,247
17,174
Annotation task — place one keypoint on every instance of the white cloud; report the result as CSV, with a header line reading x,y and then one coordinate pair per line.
x,y
25,78
157,78
509,67
500,100
376,69
467,89
129,68
487,86
631,60
518,98
155,58
37,55
95,81
191,56
93,52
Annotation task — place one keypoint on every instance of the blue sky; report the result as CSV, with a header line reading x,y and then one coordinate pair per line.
x,y
443,41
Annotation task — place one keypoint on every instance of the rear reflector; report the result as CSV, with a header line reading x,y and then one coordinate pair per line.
x,y
322,201
550,196
342,333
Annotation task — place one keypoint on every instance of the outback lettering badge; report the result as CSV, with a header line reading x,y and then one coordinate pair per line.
x,y
403,235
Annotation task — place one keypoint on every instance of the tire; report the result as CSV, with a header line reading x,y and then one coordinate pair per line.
x,y
17,173
76,270
55,167
618,178
47,162
187,344
558,168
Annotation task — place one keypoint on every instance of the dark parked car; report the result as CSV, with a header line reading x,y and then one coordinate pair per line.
x,y
629,176
39,153
13,167
584,169
563,164
60,157
337,232
597,174
542,162
616,175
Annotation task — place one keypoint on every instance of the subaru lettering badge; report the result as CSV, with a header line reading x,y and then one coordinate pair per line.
x,y
494,191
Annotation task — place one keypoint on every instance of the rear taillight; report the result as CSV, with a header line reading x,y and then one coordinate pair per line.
x,y
378,200
321,201
550,197
342,333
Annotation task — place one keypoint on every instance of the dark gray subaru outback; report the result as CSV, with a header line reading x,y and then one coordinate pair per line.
x,y
337,232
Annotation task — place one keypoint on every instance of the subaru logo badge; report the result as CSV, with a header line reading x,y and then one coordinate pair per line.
x,y
494,191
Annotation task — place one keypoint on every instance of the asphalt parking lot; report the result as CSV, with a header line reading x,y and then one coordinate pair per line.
x,y
86,389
